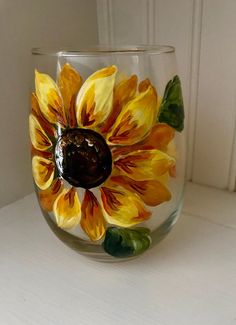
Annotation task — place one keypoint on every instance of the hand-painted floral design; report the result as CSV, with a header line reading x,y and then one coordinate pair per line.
x,y
100,158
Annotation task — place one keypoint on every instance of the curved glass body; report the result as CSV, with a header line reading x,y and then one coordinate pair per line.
x,y
108,150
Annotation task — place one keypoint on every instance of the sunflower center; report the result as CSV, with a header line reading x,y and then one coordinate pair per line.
x,y
83,158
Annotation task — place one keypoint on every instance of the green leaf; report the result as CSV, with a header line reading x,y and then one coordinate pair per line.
x,y
172,106
123,242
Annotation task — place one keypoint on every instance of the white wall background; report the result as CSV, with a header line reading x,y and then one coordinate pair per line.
x,y
25,24
204,34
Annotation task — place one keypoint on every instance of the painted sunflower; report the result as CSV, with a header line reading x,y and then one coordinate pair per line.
x,y
99,156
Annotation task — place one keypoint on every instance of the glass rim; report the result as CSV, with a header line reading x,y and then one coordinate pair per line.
x,y
105,49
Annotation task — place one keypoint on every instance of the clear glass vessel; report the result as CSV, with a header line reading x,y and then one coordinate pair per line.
x,y
108,149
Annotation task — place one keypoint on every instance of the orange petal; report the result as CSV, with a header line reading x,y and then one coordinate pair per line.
x,y
92,221
43,172
94,100
159,138
159,101
122,207
35,105
72,114
35,109
172,171
49,99
48,196
67,209
152,192
123,92
69,83
44,154
39,138
135,120
171,149
144,165
143,86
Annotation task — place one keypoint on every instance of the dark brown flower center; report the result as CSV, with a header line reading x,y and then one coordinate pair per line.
x,y
83,158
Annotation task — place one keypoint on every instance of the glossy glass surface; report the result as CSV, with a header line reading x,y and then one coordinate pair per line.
x,y
108,147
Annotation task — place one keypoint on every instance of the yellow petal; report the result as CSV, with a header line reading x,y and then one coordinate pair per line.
x,y
49,98
92,221
123,92
152,192
67,209
135,120
122,207
39,138
144,164
43,172
94,100
48,196
69,83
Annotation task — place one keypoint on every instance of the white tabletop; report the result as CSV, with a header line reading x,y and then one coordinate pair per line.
x,y
189,278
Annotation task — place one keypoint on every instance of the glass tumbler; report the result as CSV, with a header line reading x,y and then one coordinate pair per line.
x,y
108,151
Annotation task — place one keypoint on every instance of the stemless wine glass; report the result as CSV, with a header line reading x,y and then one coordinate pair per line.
x,y
108,151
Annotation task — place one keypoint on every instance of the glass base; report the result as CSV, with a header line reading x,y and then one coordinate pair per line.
x,y
96,252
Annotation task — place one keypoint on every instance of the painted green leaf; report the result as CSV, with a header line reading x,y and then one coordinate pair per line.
x,y
123,242
172,106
